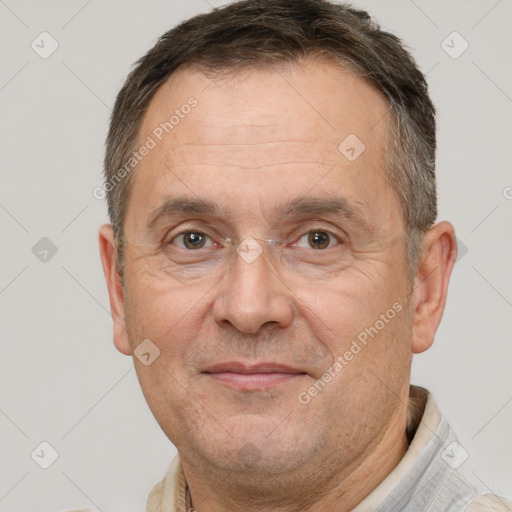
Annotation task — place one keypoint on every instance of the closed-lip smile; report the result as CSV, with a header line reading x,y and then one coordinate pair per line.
x,y
248,377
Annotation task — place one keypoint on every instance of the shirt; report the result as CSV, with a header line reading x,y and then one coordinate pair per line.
x,y
433,475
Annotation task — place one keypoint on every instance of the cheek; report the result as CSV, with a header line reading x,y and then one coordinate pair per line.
x,y
359,321
347,303
167,313
171,317
370,356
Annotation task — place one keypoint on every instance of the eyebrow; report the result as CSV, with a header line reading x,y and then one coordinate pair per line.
x,y
339,206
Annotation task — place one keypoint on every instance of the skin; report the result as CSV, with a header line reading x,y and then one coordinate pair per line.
x,y
257,140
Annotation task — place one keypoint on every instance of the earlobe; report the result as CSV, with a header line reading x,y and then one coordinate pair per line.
x,y
439,251
115,289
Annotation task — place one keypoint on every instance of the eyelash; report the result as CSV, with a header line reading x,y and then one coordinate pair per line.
x,y
339,239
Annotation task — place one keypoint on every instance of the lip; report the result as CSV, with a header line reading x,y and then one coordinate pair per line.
x,y
246,377
263,367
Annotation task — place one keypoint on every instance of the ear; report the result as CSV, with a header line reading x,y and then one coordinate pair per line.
x,y
115,289
438,254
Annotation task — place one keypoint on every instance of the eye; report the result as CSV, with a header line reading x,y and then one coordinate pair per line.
x,y
317,240
191,240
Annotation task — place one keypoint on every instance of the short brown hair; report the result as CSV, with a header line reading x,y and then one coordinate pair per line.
x,y
265,32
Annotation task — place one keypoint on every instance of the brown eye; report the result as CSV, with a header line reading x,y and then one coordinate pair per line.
x,y
319,239
191,240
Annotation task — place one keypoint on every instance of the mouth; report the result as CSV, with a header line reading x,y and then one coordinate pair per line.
x,y
245,377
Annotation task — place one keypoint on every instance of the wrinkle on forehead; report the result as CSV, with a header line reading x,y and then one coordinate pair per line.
x,y
252,106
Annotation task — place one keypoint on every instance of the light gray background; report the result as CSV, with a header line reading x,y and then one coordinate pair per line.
x,y
61,379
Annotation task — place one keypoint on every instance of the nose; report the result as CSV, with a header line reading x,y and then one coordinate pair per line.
x,y
253,295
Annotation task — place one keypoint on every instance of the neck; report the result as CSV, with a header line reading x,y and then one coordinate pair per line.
x,y
342,491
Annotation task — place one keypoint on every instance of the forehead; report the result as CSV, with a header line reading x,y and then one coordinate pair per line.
x,y
258,102
263,127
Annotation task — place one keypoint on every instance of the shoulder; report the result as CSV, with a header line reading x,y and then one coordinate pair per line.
x,y
490,503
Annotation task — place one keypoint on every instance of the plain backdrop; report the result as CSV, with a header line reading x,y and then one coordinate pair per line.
x,y
61,379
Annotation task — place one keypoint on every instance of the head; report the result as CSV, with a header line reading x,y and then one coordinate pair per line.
x,y
303,123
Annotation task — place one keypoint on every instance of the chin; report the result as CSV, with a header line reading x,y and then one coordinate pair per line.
x,y
256,444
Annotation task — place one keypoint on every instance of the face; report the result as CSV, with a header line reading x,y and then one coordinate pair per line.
x,y
273,355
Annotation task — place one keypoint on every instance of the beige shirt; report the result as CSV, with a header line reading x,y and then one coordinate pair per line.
x,y
431,477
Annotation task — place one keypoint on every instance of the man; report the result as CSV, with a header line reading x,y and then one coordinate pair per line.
x,y
273,263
